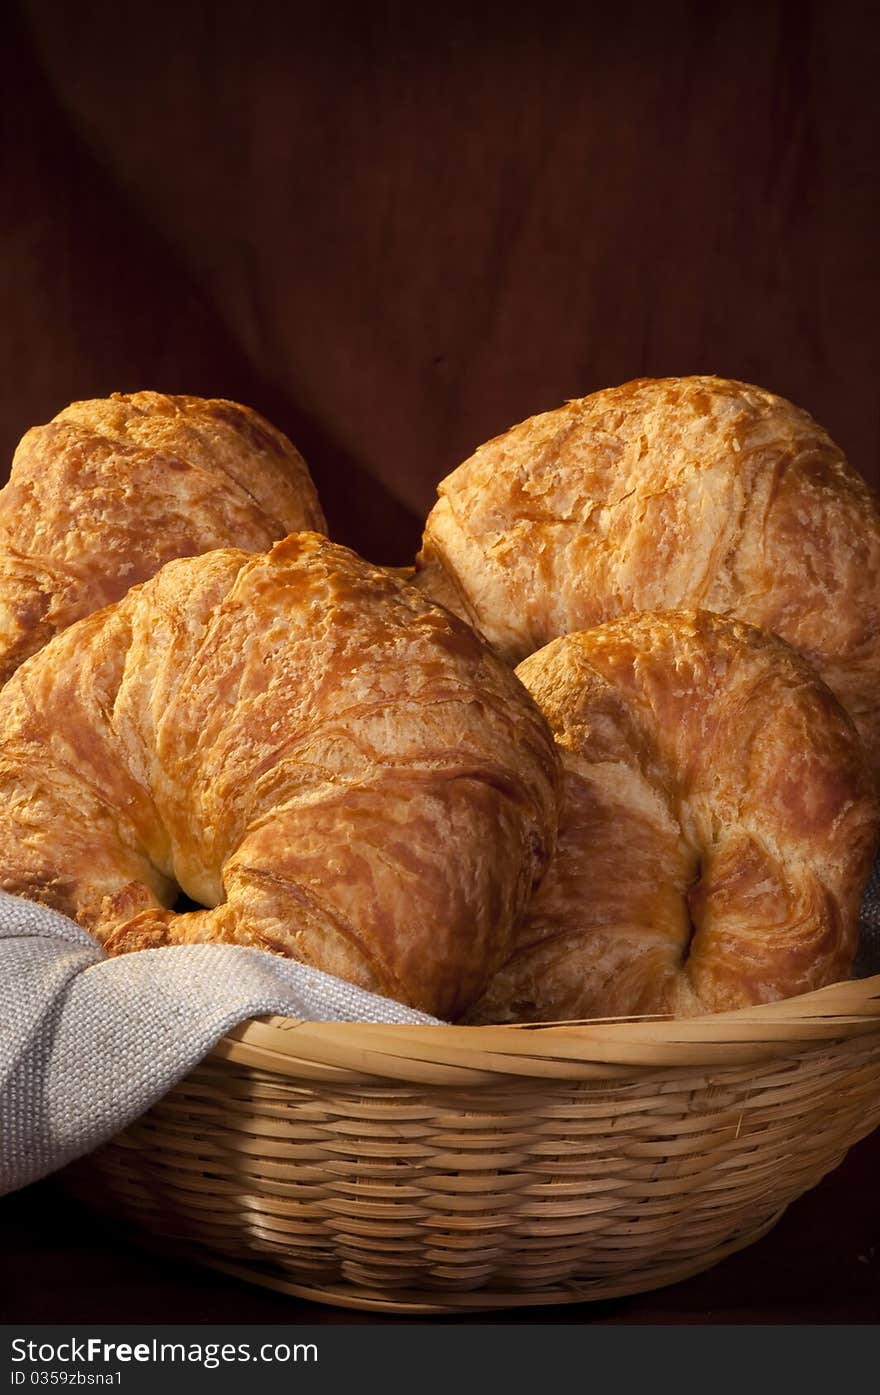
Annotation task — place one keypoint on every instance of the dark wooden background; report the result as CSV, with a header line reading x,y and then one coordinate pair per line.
x,y
396,229
399,228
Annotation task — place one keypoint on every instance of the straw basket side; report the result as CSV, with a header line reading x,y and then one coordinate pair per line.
x,y
420,1169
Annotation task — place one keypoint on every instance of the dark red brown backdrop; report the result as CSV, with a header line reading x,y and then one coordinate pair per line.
x,y
397,229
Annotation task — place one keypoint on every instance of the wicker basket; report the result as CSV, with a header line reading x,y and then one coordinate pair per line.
x,y
444,1169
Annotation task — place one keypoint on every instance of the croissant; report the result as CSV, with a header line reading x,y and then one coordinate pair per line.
x,y
111,489
715,832
669,493
333,767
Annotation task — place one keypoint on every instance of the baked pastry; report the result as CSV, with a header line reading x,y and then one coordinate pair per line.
x,y
716,826
111,489
667,494
333,766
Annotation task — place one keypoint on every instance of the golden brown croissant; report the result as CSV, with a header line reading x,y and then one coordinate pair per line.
x,y
715,832
340,770
111,489
667,494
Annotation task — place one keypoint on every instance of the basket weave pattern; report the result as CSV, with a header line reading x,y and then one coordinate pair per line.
x,y
435,1169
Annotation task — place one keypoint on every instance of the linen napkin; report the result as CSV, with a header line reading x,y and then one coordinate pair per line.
x,y
88,1043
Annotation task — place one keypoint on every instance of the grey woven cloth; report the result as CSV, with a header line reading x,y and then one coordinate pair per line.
x,y
868,959
88,1043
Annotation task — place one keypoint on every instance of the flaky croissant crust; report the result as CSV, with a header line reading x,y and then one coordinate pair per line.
x,y
111,489
331,764
667,494
716,828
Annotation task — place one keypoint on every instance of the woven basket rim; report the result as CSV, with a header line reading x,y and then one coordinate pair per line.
x,y
601,1048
